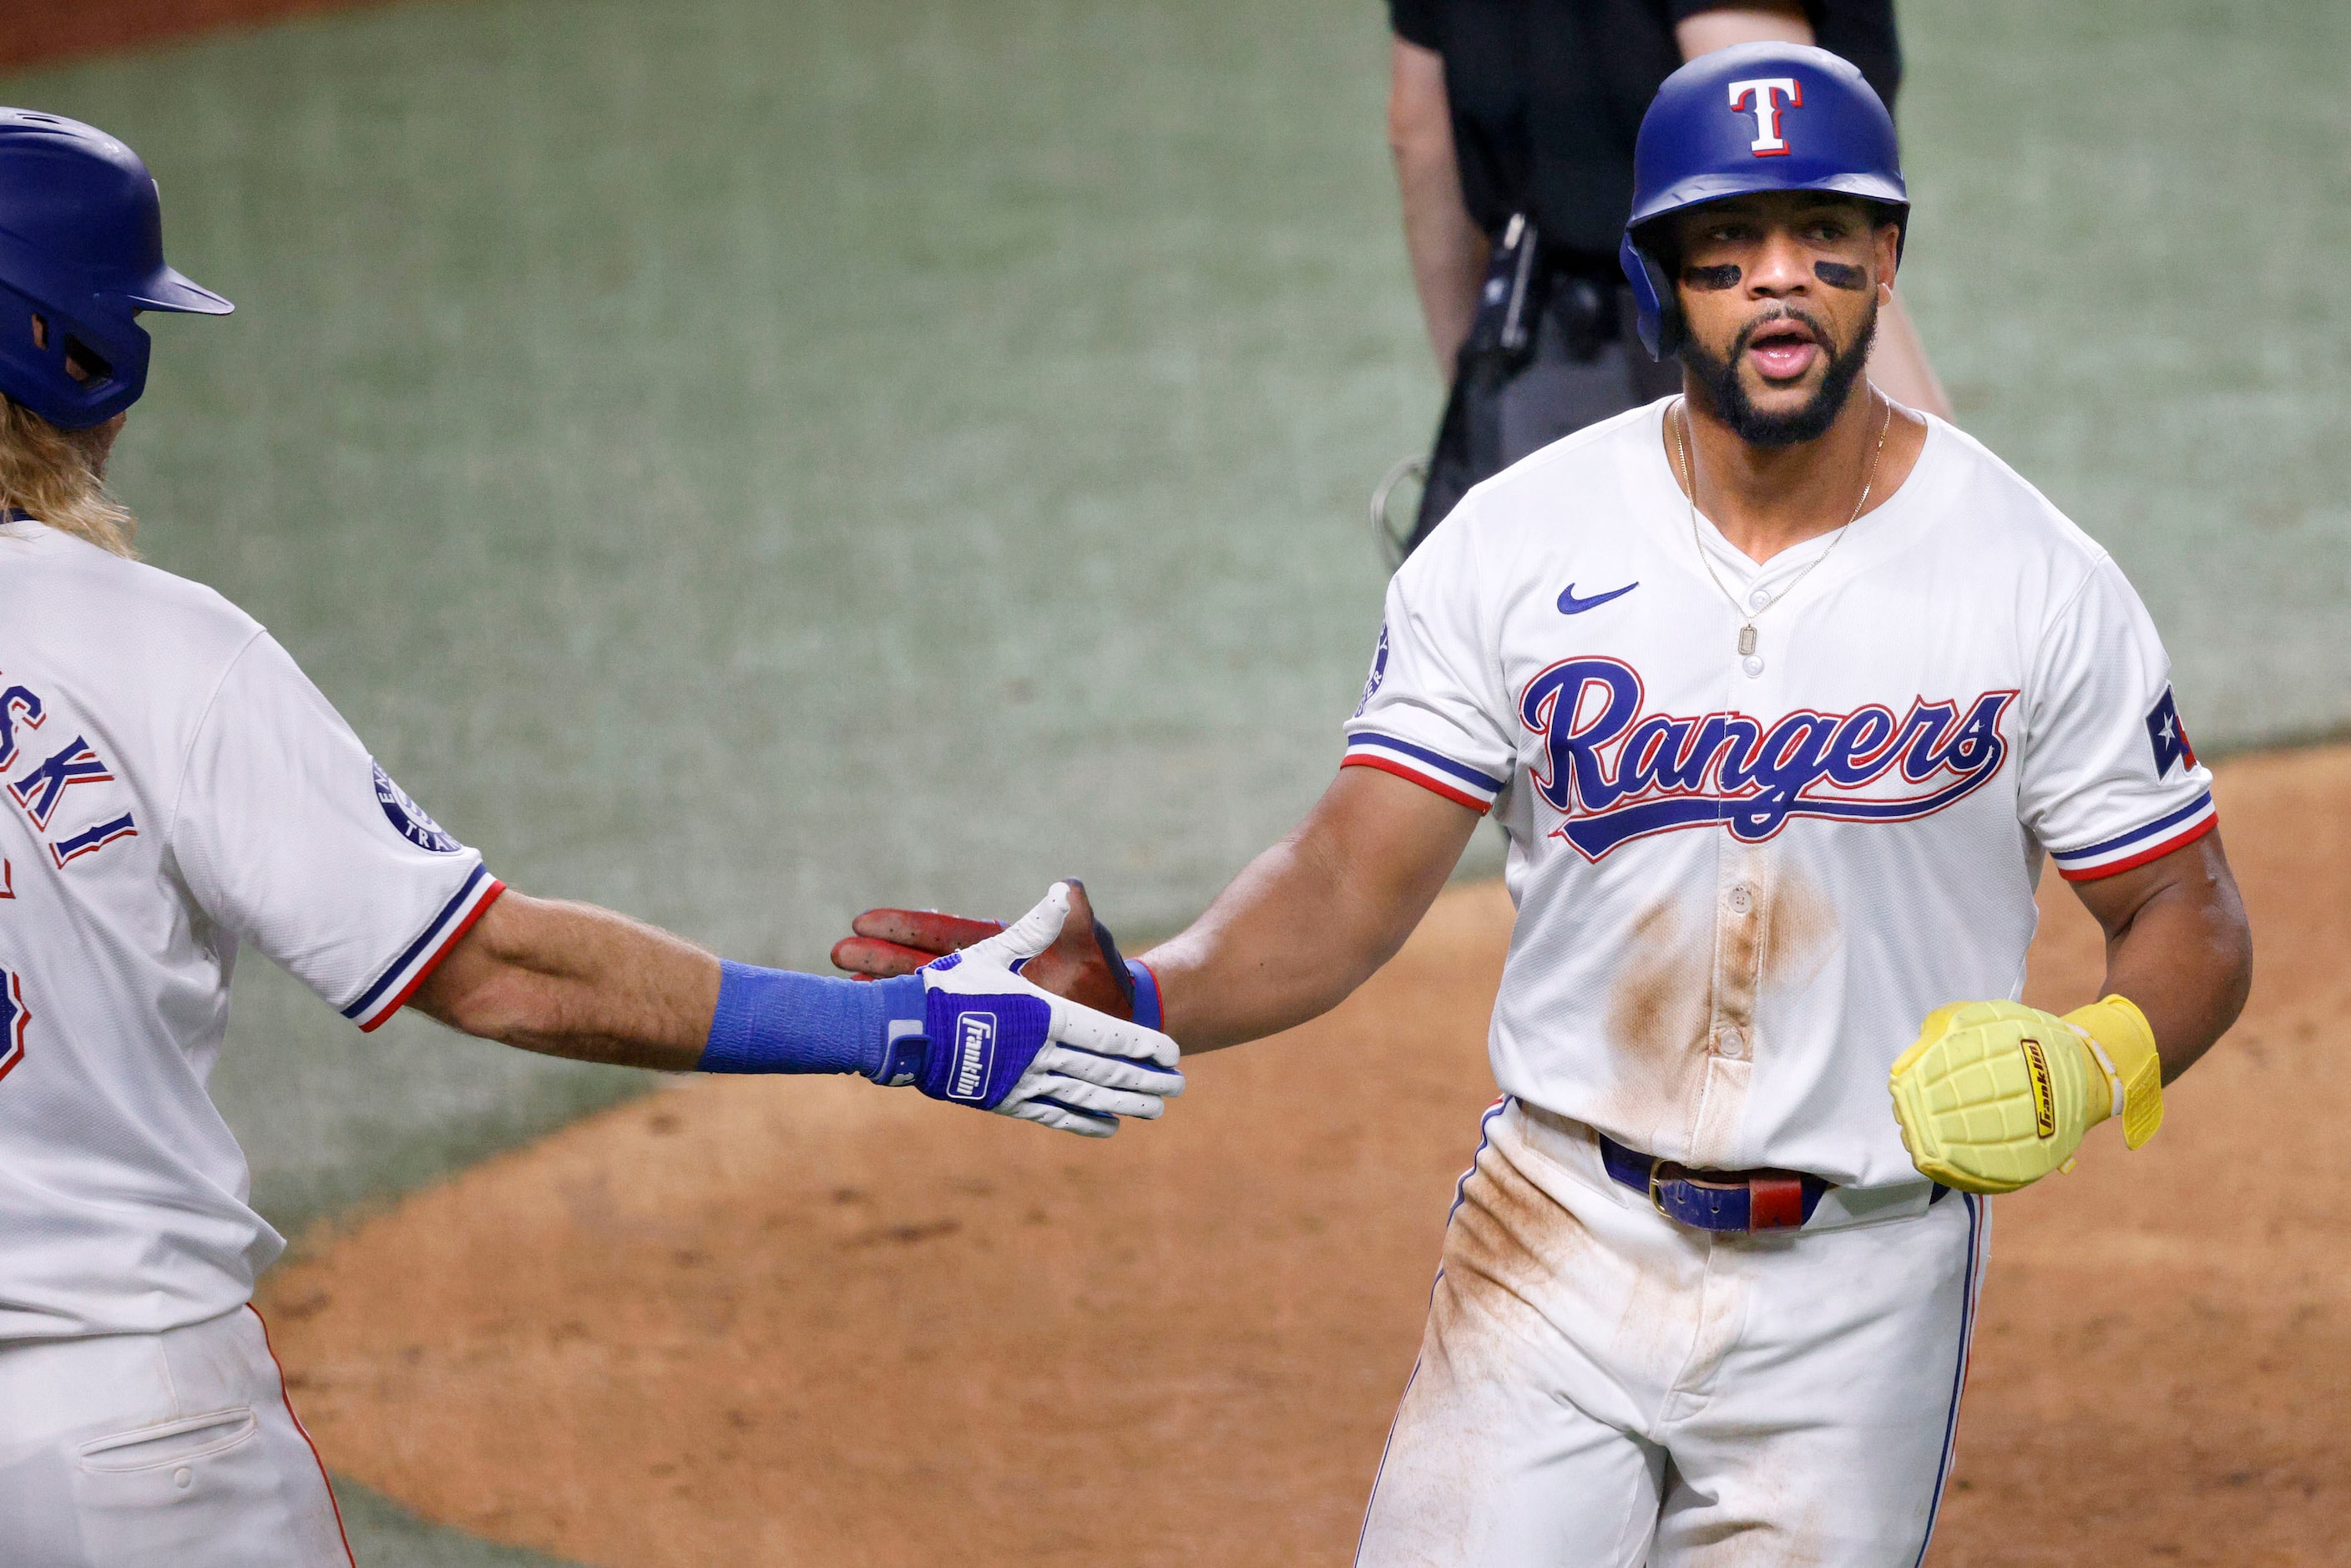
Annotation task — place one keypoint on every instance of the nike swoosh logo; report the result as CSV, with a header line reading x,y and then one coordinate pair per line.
x,y
1569,605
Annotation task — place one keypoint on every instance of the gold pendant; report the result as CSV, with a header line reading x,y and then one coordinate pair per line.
x,y
1747,638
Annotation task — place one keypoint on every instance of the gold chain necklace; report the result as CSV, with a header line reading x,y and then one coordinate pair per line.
x,y
1689,476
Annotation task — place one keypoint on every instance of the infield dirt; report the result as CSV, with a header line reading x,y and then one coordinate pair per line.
x,y
804,1322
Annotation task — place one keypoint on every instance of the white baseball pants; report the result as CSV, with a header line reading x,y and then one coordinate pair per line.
x,y
159,1451
1602,1387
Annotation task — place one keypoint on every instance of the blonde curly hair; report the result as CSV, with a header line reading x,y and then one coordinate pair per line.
x,y
57,476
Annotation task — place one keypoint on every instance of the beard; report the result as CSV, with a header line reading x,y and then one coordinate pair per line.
x,y
1726,397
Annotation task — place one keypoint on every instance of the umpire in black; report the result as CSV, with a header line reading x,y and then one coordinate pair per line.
x,y
1512,123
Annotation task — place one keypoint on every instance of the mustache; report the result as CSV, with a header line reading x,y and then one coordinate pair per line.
x,y
1716,382
1821,337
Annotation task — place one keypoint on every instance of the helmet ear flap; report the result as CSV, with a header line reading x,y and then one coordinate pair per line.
x,y
1658,308
74,370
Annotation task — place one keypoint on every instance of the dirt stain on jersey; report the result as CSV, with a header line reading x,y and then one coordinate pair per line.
x,y
1802,931
1775,943
1659,1010
1694,973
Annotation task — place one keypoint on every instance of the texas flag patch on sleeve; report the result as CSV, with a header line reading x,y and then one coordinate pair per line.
x,y
2168,737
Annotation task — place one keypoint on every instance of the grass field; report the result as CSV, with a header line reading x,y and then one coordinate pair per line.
x,y
736,460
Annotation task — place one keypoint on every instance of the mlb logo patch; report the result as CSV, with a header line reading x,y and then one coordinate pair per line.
x,y
974,1055
408,819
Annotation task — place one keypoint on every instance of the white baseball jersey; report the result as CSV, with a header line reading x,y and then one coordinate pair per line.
x,y
1742,881
171,785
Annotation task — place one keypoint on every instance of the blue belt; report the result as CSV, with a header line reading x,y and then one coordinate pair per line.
x,y
1721,1200
1715,1200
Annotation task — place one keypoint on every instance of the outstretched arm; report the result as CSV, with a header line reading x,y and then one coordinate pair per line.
x,y
567,979
1312,918
571,979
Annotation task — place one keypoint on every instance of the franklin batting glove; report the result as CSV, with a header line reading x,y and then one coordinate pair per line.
x,y
1083,964
1995,1095
991,1040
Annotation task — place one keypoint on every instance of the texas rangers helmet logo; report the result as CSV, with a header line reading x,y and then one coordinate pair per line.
x,y
408,818
1617,774
1764,98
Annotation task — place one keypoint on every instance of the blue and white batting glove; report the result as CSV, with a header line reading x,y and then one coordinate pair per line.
x,y
990,1040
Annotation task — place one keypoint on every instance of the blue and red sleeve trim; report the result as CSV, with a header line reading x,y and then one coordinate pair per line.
x,y
398,983
1433,771
2141,845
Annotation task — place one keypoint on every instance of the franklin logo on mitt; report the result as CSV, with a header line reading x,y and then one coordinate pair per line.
x,y
1995,1095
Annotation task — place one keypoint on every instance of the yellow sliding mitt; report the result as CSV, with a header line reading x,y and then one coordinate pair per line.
x,y
1995,1095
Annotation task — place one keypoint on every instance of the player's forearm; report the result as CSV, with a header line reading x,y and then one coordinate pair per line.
x,y
1447,250
1314,916
1241,970
571,979
2182,950
1755,22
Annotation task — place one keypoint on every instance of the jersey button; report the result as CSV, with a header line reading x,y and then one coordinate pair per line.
x,y
1732,1041
1740,900
1752,664
1758,599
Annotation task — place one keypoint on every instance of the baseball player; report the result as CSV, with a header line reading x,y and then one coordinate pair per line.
x,y
1512,124
171,787
1784,695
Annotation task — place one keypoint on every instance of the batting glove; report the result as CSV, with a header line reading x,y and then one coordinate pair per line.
x,y
1083,964
1995,1095
991,1040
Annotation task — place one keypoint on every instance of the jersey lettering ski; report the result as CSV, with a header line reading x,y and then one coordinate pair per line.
x,y
170,786
1742,879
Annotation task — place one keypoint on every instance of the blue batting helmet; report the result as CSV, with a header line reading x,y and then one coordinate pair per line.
x,y
82,254
1755,117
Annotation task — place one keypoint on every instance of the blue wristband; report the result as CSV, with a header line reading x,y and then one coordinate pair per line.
x,y
1146,995
780,1021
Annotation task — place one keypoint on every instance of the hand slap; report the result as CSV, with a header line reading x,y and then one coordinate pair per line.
x,y
891,942
998,1042
1082,962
